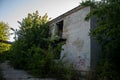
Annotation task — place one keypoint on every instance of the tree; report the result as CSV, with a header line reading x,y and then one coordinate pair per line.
x,y
107,33
4,35
32,34
37,27
33,50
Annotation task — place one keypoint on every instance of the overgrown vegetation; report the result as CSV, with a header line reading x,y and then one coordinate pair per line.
x,y
33,50
4,35
107,33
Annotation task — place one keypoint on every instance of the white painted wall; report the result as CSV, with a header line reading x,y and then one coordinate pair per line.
x,y
76,31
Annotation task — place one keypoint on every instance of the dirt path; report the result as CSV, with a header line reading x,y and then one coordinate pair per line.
x,y
9,73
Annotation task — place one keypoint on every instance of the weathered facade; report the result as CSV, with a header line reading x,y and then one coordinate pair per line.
x,y
79,46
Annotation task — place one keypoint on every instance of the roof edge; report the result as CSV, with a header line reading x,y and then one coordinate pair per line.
x,y
67,13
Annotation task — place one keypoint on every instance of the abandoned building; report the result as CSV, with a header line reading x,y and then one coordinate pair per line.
x,y
80,49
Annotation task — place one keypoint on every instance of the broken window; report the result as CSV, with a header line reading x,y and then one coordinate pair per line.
x,y
59,28
59,32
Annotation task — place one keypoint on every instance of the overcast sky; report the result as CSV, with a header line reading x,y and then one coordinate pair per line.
x,y
12,11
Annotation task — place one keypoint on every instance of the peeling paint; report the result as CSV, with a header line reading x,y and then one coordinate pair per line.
x,y
78,43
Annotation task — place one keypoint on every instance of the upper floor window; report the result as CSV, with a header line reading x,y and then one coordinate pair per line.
x,y
59,28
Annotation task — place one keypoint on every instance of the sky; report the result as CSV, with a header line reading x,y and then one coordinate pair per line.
x,y
12,11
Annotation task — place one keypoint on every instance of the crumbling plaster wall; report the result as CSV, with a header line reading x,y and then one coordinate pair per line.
x,y
76,31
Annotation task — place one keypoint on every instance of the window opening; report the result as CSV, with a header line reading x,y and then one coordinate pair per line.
x,y
59,28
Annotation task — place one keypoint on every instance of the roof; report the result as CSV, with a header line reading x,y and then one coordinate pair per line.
x,y
67,13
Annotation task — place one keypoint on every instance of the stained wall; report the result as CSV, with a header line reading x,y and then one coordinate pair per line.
x,y
76,32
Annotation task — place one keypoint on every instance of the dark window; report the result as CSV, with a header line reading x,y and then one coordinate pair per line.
x,y
59,28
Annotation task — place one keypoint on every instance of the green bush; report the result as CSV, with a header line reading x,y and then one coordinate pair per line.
x,y
35,52
4,56
106,15
106,71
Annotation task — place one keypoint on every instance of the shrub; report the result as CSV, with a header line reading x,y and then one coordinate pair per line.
x,y
35,52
